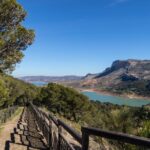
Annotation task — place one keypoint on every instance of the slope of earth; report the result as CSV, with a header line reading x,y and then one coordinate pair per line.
x,y
8,127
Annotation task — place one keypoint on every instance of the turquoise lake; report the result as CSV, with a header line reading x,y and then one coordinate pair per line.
x,y
39,83
116,100
107,98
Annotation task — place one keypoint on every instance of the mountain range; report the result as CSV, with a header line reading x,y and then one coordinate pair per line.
x,y
50,78
122,70
122,77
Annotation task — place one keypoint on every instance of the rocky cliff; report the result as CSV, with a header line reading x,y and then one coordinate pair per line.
x,y
136,68
123,76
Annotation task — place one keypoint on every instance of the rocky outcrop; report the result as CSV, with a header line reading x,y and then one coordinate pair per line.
x,y
126,77
115,66
89,76
123,75
136,68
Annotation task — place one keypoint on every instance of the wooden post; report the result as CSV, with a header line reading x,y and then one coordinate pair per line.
x,y
50,135
59,136
85,140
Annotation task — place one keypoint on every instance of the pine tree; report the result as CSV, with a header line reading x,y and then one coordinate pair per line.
x,y
14,38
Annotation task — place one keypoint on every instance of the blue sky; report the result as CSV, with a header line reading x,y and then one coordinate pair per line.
x,y
76,37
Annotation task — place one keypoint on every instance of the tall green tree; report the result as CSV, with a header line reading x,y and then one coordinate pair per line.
x,y
14,38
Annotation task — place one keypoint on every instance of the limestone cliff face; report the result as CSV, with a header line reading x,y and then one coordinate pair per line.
x,y
123,70
137,68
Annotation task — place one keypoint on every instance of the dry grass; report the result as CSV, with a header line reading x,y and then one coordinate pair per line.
x,y
7,128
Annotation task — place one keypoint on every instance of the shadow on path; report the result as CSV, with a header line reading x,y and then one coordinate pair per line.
x,y
26,134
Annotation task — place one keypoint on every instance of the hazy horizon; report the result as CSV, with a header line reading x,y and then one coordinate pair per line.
x,y
80,74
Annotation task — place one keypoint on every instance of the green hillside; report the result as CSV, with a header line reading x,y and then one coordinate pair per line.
x,y
14,91
76,107
62,101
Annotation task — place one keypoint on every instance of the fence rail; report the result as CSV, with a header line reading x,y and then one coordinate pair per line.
x,y
7,113
122,137
52,128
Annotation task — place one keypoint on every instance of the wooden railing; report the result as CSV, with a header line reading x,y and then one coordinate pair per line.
x,y
121,137
7,113
54,131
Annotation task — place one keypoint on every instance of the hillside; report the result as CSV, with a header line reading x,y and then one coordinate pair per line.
x,y
75,107
50,78
15,92
129,70
123,77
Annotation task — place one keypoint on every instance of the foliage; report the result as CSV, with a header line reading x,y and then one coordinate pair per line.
x,y
140,87
63,100
67,102
14,91
4,93
73,106
7,113
14,38
76,107
132,120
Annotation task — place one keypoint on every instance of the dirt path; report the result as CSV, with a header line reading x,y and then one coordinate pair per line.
x,y
8,128
22,133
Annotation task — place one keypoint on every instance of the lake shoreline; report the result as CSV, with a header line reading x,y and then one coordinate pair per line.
x,y
107,93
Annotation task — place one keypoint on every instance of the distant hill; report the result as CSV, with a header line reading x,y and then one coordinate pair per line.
x,y
124,76
90,76
139,69
50,78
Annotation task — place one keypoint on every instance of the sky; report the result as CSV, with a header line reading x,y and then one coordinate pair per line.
x,y
76,37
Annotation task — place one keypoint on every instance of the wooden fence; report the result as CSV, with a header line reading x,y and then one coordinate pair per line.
x,y
7,113
53,129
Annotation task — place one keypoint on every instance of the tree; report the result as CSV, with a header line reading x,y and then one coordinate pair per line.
x,y
64,100
4,93
14,38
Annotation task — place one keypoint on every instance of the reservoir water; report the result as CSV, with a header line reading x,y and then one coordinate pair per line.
x,y
39,83
107,98
115,99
